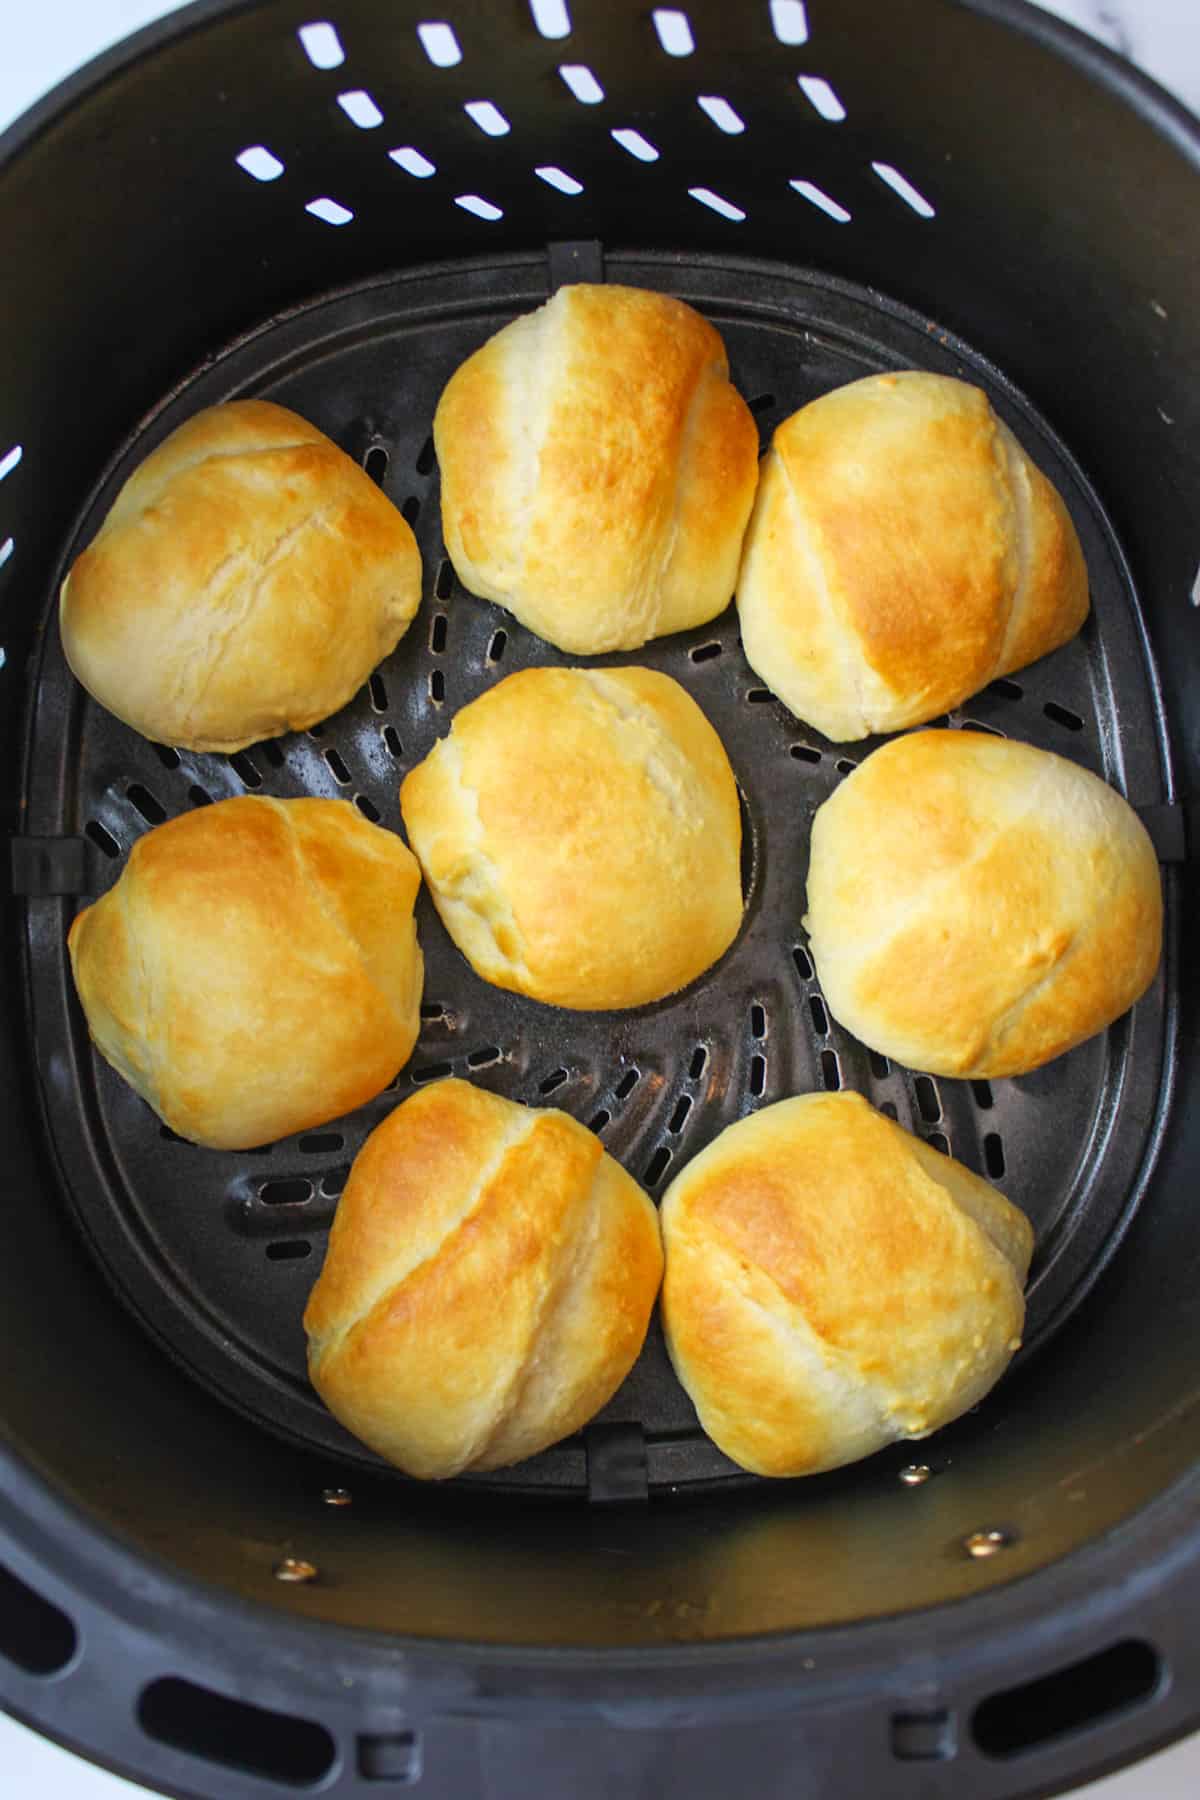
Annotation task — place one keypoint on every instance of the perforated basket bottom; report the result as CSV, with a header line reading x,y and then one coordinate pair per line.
x,y
216,1252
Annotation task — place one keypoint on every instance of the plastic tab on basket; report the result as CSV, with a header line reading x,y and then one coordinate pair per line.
x,y
616,1463
44,866
575,260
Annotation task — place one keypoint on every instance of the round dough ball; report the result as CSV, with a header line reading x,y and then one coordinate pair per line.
x,y
255,971
580,833
598,469
248,578
833,1284
976,906
904,551
490,1276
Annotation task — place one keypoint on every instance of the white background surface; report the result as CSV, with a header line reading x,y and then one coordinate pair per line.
x,y
42,41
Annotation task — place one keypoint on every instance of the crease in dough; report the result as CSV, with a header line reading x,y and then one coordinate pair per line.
x,y
388,1279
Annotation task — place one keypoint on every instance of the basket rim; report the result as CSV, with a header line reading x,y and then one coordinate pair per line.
x,y
1140,91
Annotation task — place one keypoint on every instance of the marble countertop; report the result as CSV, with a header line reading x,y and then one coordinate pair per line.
x,y
43,44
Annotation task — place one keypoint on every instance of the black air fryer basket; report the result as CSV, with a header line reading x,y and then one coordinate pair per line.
x,y
203,1581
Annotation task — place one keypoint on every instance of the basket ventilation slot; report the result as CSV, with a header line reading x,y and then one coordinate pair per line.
x,y
232,1732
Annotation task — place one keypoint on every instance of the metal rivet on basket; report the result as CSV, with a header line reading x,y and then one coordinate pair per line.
x,y
294,1568
337,1496
916,1474
982,1544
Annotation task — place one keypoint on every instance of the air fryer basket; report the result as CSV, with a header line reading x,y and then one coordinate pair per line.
x,y
203,1581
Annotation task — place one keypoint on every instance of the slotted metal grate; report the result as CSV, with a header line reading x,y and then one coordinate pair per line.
x,y
216,1252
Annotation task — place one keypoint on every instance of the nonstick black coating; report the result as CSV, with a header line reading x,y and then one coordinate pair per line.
x,y
216,1252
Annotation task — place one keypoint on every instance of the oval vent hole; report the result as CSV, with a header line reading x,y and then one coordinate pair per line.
x,y
697,1064
705,652
234,1733
1062,715
391,739
758,1076
831,1074
600,1120
495,649
432,1072
656,1168
804,968
443,587
167,757
1076,1698
820,1017
151,809
482,1059
34,1635
103,840
627,1083
292,1190
289,1250
375,462
437,634
425,459
554,1080
246,770
367,808
927,1100
993,1155
982,1091
881,1068
805,753
679,1116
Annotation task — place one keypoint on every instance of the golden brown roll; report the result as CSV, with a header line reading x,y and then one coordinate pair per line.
x,y
580,833
833,1284
247,579
976,906
904,551
488,1284
255,971
598,469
